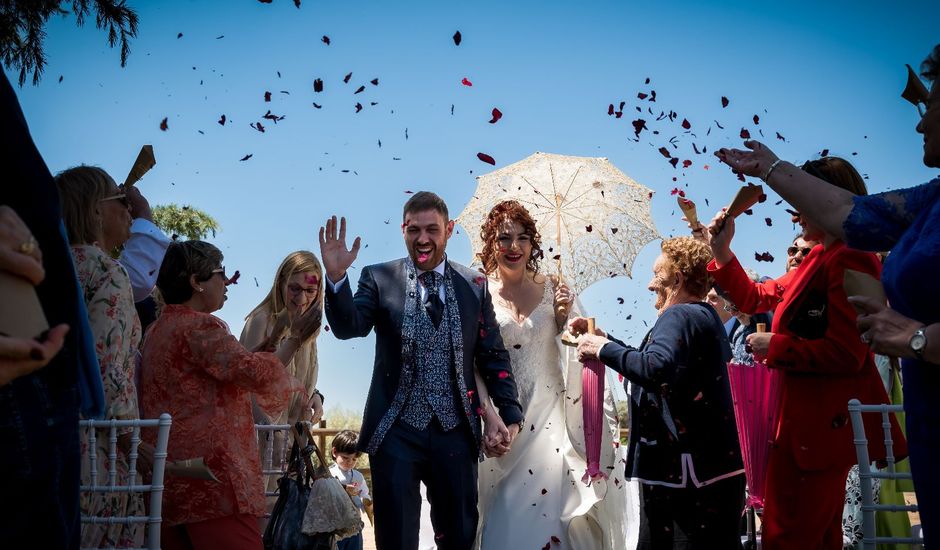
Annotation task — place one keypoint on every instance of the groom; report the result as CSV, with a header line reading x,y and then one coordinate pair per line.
x,y
433,322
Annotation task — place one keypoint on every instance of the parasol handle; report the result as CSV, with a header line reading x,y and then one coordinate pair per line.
x,y
591,325
761,327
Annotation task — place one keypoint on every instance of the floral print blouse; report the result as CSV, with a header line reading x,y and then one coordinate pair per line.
x,y
194,369
114,324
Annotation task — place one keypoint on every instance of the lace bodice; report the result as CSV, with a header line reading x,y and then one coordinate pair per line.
x,y
532,348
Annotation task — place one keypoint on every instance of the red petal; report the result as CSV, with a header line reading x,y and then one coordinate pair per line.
x,y
610,110
457,38
641,95
497,114
503,374
639,125
756,119
745,134
769,222
325,40
686,124
724,101
346,78
556,540
246,157
781,138
823,153
466,82
686,163
486,158
318,85
163,125
222,120
267,97
589,228
665,152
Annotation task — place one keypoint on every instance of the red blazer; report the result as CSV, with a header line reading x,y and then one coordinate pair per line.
x,y
817,346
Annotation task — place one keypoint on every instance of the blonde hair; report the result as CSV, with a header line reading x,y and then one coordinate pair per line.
x,y
301,261
81,188
689,256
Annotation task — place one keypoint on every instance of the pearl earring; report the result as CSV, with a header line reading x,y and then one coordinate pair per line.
x,y
200,289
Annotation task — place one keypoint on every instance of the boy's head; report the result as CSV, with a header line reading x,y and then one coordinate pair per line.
x,y
344,449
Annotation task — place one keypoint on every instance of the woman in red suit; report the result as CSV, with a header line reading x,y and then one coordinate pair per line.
x,y
815,343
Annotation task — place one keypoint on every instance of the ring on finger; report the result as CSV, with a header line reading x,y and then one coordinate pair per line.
x,y
866,338
28,246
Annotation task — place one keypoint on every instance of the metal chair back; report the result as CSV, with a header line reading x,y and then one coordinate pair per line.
x,y
866,473
110,485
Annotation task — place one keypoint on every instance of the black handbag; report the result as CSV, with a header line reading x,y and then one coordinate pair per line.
x,y
811,318
284,528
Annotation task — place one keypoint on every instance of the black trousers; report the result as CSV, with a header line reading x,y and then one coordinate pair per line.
x,y
447,464
707,518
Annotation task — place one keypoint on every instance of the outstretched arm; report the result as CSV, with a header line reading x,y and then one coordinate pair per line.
x,y
826,205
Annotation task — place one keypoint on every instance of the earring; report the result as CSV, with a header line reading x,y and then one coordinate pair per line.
x,y
200,289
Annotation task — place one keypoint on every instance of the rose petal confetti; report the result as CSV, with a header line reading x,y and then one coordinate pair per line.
x,y
318,86
267,97
457,38
497,114
246,157
163,125
466,82
346,78
763,257
325,40
486,158
222,120
724,101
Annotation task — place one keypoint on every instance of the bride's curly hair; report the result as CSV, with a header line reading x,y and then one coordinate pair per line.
x,y
489,233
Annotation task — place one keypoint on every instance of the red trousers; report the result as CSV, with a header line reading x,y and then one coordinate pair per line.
x,y
238,532
802,509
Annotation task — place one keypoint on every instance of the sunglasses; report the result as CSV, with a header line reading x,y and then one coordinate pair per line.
x,y
120,197
220,270
794,249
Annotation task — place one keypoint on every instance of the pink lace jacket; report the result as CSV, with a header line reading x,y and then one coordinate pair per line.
x,y
194,369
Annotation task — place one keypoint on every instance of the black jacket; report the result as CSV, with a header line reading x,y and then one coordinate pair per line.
x,y
681,399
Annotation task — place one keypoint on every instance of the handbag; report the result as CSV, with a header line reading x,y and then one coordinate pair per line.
x,y
284,528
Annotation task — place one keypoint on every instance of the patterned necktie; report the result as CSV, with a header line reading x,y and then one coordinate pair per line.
x,y
432,300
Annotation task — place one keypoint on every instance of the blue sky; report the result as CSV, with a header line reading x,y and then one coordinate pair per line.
x,y
823,75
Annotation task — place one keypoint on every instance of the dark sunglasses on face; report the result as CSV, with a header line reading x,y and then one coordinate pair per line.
x,y
805,250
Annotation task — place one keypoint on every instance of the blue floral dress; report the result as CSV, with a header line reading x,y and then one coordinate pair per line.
x,y
907,222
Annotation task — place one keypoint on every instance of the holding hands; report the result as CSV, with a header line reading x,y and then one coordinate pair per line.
x,y
336,257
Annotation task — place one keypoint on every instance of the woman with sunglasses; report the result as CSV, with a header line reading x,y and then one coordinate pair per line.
x,y
194,369
823,365
906,222
97,222
296,290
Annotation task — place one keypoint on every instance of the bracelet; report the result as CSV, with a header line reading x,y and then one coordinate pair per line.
x,y
770,170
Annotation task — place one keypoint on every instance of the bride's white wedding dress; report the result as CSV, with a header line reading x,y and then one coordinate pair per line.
x,y
534,497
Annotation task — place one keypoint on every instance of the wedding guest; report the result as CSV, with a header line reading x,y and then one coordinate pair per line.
x,y
546,462
824,365
97,220
194,369
297,287
907,222
683,437
719,304
345,456
46,383
743,326
799,250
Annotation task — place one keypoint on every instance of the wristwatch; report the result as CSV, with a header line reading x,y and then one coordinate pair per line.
x,y
918,342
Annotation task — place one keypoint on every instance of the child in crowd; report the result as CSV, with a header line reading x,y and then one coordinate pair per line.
x,y
345,456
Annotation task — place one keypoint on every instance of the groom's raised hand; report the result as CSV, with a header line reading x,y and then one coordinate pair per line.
x,y
336,257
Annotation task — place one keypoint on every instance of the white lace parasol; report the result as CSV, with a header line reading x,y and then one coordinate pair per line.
x,y
593,218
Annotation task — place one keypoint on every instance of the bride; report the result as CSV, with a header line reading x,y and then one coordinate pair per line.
x,y
532,496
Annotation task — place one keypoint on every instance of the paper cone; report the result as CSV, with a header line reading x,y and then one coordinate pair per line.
x,y
857,283
747,197
145,161
914,91
688,209
194,468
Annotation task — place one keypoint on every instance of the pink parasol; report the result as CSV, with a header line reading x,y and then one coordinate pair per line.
x,y
756,392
